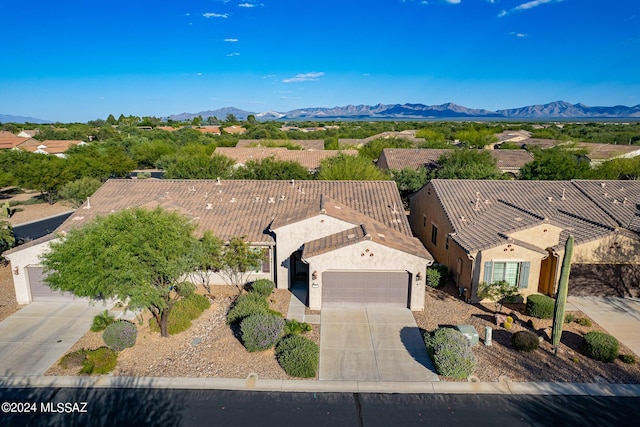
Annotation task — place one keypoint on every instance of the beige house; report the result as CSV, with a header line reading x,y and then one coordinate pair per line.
x,y
508,161
309,159
305,144
347,242
485,231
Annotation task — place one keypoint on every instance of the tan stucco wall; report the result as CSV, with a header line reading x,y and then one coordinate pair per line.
x,y
291,237
425,204
513,253
612,249
383,259
21,259
543,235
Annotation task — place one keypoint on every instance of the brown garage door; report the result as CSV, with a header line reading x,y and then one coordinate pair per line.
x,y
365,288
41,292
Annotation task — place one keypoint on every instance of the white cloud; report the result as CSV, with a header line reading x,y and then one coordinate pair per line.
x,y
249,5
231,40
520,35
306,77
233,54
526,6
453,1
215,15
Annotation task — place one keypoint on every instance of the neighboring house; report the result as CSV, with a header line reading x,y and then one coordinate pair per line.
x,y
29,133
510,161
409,135
348,242
596,153
510,136
50,146
308,159
485,231
9,141
211,130
234,130
306,144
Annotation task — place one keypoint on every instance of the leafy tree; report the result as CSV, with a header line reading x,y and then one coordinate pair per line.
x,y
345,167
196,167
238,261
231,119
44,173
269,168
208,256
556,163
432,139
7,239
467,164
624,168
410,180
497,292
79,190
373,149
476,138
139,256
111,120
147,153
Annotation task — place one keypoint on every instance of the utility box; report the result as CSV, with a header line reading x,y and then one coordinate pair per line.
x,y
469,332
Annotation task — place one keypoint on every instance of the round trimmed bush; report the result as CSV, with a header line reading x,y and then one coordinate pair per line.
x,y
600,346
261,331
102,360
120,335
525,341
245,306
298,356
263,287
540,306
451,353
182,313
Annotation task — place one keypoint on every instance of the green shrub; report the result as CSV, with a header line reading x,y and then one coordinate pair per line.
x,y
101,321
263,287
584,321
569,318
451,353
261,331
629,359
298,356
293,327
120,335
600,346
182,313
525,341
437,275
246,305
540,306
102,360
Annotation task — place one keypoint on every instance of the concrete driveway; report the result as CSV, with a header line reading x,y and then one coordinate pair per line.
x,y
36,336
372,344
620,317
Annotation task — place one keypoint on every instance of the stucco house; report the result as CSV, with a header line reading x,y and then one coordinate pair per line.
x,y
485,231
508,161
348,242
309,159
305,144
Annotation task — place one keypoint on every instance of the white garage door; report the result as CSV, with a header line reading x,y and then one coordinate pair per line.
x,y
41,292
365,288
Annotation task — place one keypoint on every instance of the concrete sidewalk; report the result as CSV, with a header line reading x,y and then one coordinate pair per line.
x,y
252,383
620,317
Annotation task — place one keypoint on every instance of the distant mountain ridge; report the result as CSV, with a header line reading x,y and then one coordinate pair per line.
x,y
552,110
6,118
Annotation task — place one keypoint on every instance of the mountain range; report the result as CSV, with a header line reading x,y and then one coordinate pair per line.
x,y
553,110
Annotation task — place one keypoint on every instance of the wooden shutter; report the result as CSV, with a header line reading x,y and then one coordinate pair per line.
x,y
523,283
488,272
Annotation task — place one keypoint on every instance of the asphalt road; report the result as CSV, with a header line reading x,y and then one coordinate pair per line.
x,y
163,407
37,229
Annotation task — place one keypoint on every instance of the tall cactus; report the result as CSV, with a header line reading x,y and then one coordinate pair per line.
x,y
561,295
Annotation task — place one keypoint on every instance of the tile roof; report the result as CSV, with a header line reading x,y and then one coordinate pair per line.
x,y
595,151
8,142
400,158
243,207
306,144
483,212
309,159
50,146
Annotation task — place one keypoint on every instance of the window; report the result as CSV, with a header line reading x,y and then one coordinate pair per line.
x,y
434,234
513,272
424,220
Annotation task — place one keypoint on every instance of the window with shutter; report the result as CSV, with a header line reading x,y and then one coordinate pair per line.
x,y
266,264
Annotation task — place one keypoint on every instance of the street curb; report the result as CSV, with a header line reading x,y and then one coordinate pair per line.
x,y
252,383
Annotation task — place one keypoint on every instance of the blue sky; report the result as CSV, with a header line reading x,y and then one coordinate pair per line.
x,y
78,60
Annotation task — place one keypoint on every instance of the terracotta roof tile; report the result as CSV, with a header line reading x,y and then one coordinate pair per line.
x,y
400,158
306,144
309,159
